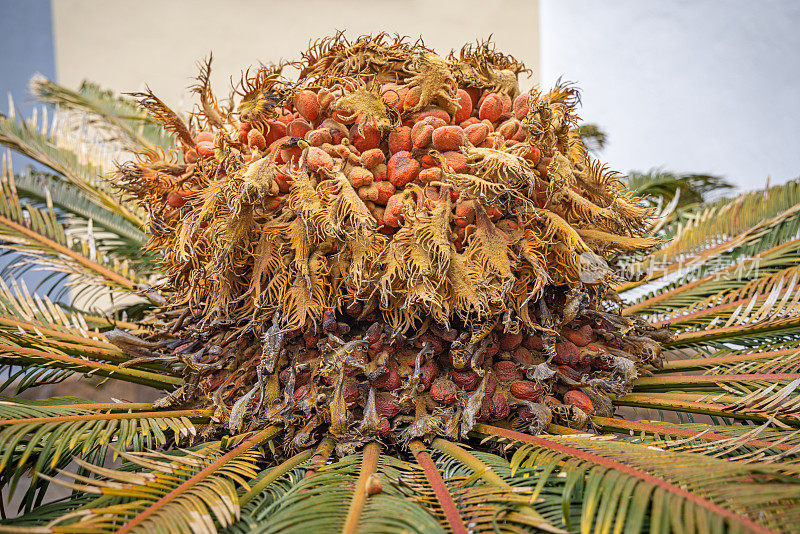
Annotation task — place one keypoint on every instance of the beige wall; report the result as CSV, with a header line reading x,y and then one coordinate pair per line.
x,y
123,44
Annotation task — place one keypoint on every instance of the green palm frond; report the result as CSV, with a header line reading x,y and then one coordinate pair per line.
x,y
121,116
690,188
623,483
42,187
744,442
38,234
42,437
27,138
717,237
184,492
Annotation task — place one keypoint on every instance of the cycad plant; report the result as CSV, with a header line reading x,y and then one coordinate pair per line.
x,y
385,296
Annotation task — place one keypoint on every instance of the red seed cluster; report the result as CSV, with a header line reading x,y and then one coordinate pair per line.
x,y
395,244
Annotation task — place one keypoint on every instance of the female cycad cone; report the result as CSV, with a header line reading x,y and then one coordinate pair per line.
x,y
394,245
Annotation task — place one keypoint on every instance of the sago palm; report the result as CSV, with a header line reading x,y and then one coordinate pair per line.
x,y
385,296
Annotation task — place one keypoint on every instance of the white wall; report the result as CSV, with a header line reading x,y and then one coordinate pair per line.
x,y
123,45
690,85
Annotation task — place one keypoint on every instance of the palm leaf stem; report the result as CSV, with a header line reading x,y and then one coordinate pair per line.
x,y
198,415
17,355
369,464
95,319
58,334
713,334
574,452
648,382
321,455
439,487
699,363
248,444
113,406
108,274
612,424
660,402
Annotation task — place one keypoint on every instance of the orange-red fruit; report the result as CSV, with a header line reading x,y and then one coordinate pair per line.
x,y
289,153
465,106
491,108
522,105
465,213
176,199
476,133
507,371
256,139
402,169
505,98
319,137
433,112
533,155
368,138
372,158
190,156
443,390
510,129
427,176
204,136
510,341
205,149
447,138
276,131
579,399
386,405
581,337
394,210
380,172
298,128
469,122
359,176
412,98
394,95
566,353
284,115
430,371
457,161
307,103
283,181
499,406
421,134
526,390
494,214
318,158
466,380
474,93
400,140
242,135
427,161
